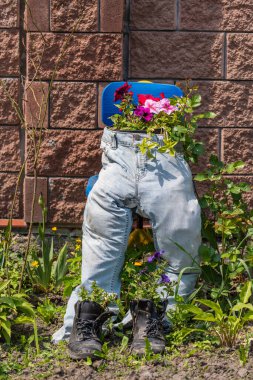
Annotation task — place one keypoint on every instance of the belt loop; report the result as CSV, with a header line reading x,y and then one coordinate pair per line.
x,y
114,144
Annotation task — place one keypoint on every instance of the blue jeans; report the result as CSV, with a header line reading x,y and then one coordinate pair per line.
x,y
159,189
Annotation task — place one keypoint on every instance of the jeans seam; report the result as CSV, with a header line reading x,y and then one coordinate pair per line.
x,y
123,245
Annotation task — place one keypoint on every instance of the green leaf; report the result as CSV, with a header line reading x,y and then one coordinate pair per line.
x,y
240,306
192,309
213,305
5,330
4,285
201,177
61,265
233,166
23,319
196,101
207,317
246,292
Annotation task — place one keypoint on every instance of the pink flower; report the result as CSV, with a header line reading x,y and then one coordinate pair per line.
x,y
165,106
152,105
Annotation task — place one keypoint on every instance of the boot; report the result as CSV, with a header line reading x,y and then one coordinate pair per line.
x,y
147,324
86,331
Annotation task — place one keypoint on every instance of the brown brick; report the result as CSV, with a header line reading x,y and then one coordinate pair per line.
x,y
69,154
8,114
216,15
74,15
9,14
210,138
73,105
153,14
237,145
37,15
240,56
9,149
111,12
231,101
180,55
36,105
9,52
67,200
86,57
28,198
8,184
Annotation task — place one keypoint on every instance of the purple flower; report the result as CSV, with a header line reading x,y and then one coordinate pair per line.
x,y
143,113
164,279
156,256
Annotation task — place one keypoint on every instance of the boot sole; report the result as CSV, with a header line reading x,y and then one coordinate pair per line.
x,y
80,356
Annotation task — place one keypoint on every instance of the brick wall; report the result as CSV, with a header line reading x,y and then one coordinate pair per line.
x,y
70,150
210,42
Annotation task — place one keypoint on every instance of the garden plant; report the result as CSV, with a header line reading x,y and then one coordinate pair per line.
x,y
36,280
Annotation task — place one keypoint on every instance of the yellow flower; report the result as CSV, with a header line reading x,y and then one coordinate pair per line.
x,y
35,264
78,247
54,228
78,240
138,263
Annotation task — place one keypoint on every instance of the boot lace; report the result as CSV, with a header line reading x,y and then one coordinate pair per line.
x,y
86,328
153,328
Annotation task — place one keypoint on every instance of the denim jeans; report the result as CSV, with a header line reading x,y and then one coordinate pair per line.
x,y
160,189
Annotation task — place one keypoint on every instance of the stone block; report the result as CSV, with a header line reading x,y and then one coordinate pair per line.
x,y
67,200
9,52
237,145
210,138
230,100
68,154
74,15
10,160
153,14
8,185
9,14
180,55
28,198
8,114
240,56
221,15
86,56
73,105
37,15
36,105
111,14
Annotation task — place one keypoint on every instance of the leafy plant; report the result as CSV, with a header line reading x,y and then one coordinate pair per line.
x,y
98,295
146,278
226,326
47,311
227,228
47,270
15,309
175,118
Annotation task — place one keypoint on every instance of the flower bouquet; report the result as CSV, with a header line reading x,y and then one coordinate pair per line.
x,y
175,118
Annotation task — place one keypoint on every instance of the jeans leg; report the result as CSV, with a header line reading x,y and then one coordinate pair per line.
x,y
167,197
106,227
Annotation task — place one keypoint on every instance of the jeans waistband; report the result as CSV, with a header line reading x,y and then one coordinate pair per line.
x,y
114,137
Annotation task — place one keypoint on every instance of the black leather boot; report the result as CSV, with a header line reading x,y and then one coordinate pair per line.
x,y
147,324
86,331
